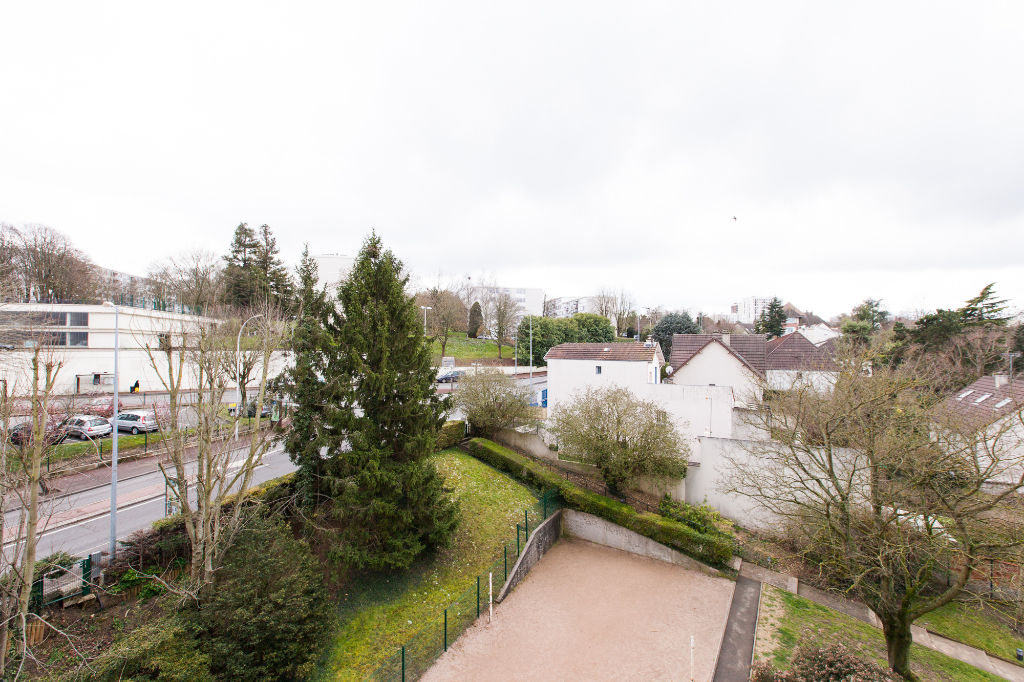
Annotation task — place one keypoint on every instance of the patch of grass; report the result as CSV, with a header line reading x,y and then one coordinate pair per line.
x,y
788,620
462,348
378,613
974,625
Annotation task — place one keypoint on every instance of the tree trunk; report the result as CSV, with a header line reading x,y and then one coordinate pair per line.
x,y
897,641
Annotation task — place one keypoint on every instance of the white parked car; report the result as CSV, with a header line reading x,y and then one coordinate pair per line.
x,y
137,421
87,426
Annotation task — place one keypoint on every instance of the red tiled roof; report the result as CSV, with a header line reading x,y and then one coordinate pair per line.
x,y
999,401
748,348
613,351
795,351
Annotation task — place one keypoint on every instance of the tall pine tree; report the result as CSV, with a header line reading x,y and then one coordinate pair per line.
x,y
310,345
240,281
274,283
772,320
382,422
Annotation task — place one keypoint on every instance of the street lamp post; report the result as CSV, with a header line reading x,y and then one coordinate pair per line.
x,y
114,434
425,308
1010,355
238,372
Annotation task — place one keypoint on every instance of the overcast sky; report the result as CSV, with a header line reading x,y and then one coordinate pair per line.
x,y
867,149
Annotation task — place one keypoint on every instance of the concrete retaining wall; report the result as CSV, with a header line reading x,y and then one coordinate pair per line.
x,y
539,542
599,531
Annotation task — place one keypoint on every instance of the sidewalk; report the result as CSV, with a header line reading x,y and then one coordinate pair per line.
x,y
734,661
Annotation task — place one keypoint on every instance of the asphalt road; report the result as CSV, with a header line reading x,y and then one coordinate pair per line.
x,y
79,523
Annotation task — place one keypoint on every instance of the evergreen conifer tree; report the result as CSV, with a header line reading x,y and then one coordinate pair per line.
x,y
272,277
382,422
476,320
240,282
772,320
310,345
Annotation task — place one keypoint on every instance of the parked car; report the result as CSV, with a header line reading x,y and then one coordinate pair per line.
x,y
450,376
22,433
137,421
250,410
87,426
102,407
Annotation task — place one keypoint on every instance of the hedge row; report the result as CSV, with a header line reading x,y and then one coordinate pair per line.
x,y
451,434
714,550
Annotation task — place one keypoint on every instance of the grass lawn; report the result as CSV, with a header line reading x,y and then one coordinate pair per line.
x,y
976,625
378,613
462,348
787,620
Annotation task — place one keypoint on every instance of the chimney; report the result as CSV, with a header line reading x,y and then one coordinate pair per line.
x,y
1001,380
725,337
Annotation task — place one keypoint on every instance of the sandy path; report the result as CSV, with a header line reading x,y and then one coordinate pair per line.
x,y
587,612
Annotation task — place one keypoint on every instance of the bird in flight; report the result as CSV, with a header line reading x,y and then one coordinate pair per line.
x,y
734,217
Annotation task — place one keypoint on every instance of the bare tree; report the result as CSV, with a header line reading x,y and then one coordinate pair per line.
x,y
492,401
200,351
887,485
604,303
47,266
624,305
447,314
505,313
191,278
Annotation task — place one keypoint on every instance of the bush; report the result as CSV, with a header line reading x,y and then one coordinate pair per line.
x,y
712,549
833,663
164,650
451,434
492,401
268,614
701,518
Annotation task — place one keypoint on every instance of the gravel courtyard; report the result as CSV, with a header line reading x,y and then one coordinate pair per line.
x,y
588,612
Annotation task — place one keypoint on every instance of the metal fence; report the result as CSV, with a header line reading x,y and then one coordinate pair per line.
x,y
60,583
420,651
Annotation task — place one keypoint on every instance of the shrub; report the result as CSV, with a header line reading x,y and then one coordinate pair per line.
x,y
54,565
451,433
163,650
701,518
492,401
833,663
711,549
268,614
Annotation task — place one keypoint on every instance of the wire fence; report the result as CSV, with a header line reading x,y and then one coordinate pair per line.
x,y
420,651
60,583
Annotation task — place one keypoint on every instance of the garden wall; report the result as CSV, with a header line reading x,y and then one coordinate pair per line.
x,y
539,542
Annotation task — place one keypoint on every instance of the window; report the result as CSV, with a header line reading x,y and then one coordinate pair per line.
x,y
597,369
78,339
965,394
982,398
78,319
1003,403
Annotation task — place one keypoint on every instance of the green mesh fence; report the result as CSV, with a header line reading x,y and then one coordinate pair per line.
x,y
420,651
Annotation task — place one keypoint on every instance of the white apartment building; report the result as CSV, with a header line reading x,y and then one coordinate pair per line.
x,y
333,268
750,308
567,306
530,299
82,338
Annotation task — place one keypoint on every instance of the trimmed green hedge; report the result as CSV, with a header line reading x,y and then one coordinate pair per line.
x,y
451,434
711,549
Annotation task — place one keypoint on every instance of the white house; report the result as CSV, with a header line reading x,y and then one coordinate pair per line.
x,y
793,359
82,337
736,361
574,367
995,404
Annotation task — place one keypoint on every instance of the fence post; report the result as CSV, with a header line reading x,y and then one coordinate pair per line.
x,y
86,574
506,562
478,596
526,525
403,664
446,629
517,541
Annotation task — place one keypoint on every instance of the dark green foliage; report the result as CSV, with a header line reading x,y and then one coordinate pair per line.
x,y
253,271
273,282
268,614
984,309
164,650
934,330
476,320
701,518
310,345
870,311
673,323
451,433
859,331
772,319
549,331
382,421
711,549
833,663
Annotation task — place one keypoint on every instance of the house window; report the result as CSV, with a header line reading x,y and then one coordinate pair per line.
x,y
78,319
80,339
597,369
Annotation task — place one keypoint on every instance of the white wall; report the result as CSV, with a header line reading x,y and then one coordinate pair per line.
x,y
708,481
566,377
715,365
785,379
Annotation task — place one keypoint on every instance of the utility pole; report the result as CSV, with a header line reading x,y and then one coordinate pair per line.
x,y
1010,355
114,433
425,308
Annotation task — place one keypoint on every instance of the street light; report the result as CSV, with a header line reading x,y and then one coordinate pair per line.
x,y
425,308
238,372
114,435
1010,355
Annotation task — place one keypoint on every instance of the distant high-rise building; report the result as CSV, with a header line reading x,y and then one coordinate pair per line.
x,y
749,309
333,268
